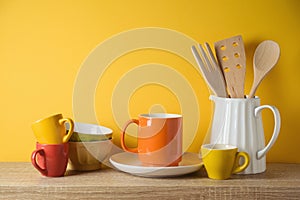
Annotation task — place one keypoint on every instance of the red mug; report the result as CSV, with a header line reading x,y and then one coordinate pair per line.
x,y
51,159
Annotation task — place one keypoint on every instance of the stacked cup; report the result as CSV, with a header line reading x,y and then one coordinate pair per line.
x,y
52,148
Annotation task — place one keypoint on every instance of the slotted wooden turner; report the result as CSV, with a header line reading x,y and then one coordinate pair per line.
x,y
231,57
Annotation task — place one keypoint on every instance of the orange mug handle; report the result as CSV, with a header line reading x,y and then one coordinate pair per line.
x,y
34,162
133,150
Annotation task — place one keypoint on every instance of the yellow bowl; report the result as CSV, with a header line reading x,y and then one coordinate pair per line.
x,y
87,156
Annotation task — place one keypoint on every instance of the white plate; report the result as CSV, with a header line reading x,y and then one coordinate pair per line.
x,y
129,163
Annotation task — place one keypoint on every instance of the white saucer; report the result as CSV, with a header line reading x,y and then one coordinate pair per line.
x,y
129,163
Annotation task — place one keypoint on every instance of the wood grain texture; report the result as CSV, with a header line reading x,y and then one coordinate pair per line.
x,y
22,181
231,56
265,58
210,70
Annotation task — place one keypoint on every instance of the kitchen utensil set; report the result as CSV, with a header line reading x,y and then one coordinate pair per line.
x,y
236,120
228,74
236,129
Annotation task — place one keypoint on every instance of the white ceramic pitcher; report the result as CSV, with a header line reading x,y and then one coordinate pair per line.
x,y
238,122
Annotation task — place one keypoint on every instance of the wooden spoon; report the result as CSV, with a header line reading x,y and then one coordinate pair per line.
x,y
265,58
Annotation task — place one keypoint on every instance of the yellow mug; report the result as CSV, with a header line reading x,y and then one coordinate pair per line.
x,y
222,160
52,130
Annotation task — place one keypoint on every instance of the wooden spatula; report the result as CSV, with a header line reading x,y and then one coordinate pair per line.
x,y
231,57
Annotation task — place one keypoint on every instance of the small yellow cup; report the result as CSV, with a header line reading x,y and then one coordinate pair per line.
x,y
51,130
221,160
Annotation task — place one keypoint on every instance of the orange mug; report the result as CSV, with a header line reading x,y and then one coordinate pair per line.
x,y
159,141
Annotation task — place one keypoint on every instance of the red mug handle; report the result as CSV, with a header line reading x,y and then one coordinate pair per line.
x,y
34,162
133,150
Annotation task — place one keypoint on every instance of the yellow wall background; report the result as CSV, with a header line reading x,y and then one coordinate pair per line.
x,y
44,43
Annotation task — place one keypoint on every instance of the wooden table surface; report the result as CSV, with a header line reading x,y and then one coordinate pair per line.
x,y
22,181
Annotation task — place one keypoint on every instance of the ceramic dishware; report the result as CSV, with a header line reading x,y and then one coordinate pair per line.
x,y
84,132
51,159
231,56
210,70
265,58
52,130
222,160
130,163
159,140
238,122
88,156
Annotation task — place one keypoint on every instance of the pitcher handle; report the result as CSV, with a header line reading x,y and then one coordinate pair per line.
x,y
276,130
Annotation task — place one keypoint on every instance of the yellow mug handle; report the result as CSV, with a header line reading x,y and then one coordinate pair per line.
x,y
239,167
70,132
